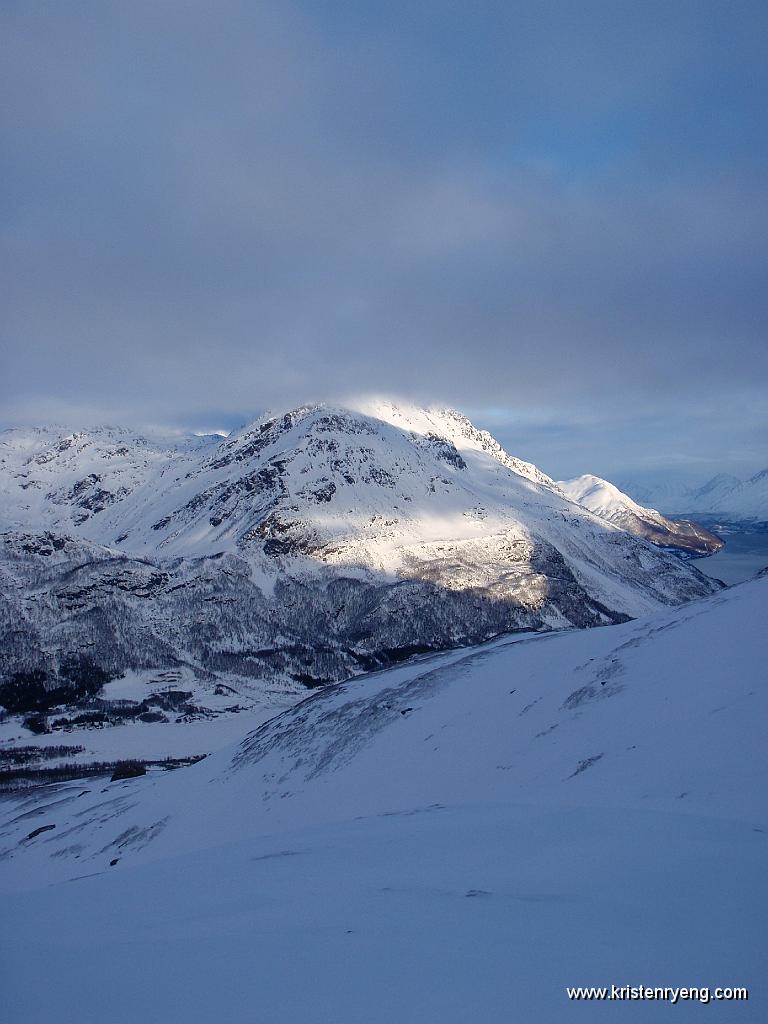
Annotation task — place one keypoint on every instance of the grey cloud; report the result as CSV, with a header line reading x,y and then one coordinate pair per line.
x,y
232,207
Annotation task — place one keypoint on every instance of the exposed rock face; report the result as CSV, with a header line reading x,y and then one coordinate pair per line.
x,y
681,534
305,548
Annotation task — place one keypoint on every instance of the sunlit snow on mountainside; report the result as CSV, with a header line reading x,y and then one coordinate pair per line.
x,y
607,501
304,548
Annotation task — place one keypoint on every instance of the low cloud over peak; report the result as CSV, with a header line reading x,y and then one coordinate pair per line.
x,y
213,212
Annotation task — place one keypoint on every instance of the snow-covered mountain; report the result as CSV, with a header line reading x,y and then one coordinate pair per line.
x,y
457,838
724,497
748,502
607,501
201,496
51,478
305,548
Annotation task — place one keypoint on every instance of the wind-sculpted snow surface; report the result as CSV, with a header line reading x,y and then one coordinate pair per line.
x,y
307,547
457,838
324,737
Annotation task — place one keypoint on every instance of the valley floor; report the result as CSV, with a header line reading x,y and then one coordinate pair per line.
x,y
218,722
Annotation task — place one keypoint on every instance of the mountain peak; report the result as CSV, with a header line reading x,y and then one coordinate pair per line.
x,y
305,547
607,501
599,495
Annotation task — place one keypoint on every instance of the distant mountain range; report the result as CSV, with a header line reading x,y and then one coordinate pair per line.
x,y
305,548
607,501
724,496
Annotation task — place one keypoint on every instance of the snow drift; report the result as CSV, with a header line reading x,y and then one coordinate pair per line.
x,y
460,837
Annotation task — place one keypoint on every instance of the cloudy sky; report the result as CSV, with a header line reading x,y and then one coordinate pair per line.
x,y
552,215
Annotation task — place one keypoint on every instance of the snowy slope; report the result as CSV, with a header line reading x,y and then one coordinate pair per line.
x,y
454,839
749,501
305,548
199,496
65,481
607,501
724,496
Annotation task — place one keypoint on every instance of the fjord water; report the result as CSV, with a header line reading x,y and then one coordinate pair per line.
x,y
745,553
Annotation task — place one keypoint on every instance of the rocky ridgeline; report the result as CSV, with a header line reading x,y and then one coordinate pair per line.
x,y
307,547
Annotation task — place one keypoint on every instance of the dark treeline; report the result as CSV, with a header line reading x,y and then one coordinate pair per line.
x,y
24,777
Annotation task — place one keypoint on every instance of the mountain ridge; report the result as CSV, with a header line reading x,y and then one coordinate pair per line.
x,y
723,496
607,501
307,547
